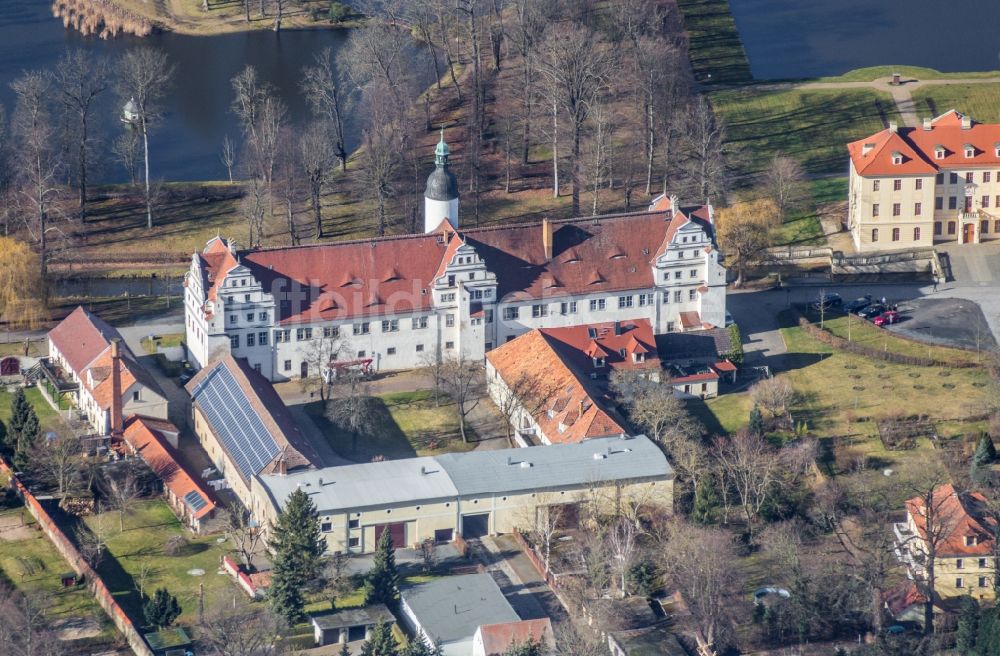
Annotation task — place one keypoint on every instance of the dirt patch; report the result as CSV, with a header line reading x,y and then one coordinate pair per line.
x,y
13,528
75,628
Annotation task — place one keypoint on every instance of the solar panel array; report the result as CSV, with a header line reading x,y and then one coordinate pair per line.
x,y
241,430
195,500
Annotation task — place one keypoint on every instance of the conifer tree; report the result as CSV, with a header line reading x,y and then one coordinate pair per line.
x,y
968,626
381,642
161,610
298,545
26,437
344,650
527,648
19,410
985,454
382,582
417,647
756,425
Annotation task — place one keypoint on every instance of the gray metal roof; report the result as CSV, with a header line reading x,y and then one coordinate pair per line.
x,y
556,466
415,480
441,185
349,617
369,484
450,609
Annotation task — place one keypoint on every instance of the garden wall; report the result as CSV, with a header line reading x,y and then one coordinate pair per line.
x,y
72,556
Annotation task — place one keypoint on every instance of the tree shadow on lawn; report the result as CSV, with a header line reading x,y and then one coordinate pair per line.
x,y
381,435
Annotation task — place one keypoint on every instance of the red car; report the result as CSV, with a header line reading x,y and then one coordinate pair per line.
x,y
887,318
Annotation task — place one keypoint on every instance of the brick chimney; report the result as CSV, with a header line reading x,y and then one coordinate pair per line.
x,y
547,238
117,420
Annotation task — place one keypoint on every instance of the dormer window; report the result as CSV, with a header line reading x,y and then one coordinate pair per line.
x,y
451,281
638,357
621,352
996,149
938,152
970,151
598,363
971,540
897,158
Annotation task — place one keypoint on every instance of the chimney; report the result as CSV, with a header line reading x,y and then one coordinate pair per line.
x,y
547,238
927,124
281,467
966,122
893,127
117,421
581,407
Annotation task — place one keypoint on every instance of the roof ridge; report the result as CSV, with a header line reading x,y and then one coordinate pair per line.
x,y
359,240
577,219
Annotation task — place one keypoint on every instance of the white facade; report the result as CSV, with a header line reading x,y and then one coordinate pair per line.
x,y
436,211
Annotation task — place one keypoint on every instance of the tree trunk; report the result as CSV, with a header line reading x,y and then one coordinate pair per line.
x,y
650,147
449,59
83,166
555,151
279,7
317,210
246,10
526,127
262,12
575,167
461,424
290,215
145,154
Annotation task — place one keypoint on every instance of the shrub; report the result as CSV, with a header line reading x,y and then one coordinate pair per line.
x,y
735,354
175,545
338,12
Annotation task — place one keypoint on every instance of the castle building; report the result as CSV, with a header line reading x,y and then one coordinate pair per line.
x,y
399,302
919,186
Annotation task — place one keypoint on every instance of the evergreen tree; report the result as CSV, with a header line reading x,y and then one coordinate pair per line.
x,y
381,642
161,610
382,582
968,627
298,545
26,438
706,499
756,425
527,648
418,647
344,650
985,454
20,409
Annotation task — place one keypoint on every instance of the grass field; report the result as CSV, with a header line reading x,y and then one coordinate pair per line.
x,y
715,49
47,417
907,72
36,348
978,100
169,340
142,544
810,126
402,425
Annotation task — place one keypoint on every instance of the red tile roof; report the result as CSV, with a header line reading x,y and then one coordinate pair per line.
x,y
690,320
955,517
917,147
219,260
497,638
81,337
144,437
394,274
577,347
903,596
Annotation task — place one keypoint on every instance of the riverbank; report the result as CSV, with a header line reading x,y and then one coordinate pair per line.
x,y
226,17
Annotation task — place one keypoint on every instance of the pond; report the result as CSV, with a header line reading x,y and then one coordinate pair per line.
x,y
186,145
796,39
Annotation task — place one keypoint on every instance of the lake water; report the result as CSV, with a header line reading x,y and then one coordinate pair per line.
x,y
185,146
811,38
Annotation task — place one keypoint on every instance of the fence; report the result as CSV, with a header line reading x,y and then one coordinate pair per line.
x,y
241,577
72,556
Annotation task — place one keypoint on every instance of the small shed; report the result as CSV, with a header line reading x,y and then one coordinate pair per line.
x,y
170,642
10,366
348,625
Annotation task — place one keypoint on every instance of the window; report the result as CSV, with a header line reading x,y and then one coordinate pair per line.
x,y
302,334
262,338
951,227
916,234
896,209
262,316
982,582
693,273
234,341
287,365
391,350
937,227
939,178
449,320
251,339
625,302
959,582
983,563
986,201
477,294
895,234
489,314
897,185
419,323
598,363
331,331
449,345
362,328
232,318
939,153
539,311
326,527
959,563
448,298
996,225
968,203
969,177
390,326
137,395
451,281
420,348
597,304
256,367
953,202
567,307
353,542
953,178
353,523
645,299
489,346
874,209
362,354
249,316
692,295
677,296
678,275
246,298
996,200
670,326
916,209
511,313
918,184
680,255
970,540
282,336
876,184
874,234
986,176
939,203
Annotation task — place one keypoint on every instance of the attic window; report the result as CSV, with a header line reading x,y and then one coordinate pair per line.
x,y
598,362
638,357
621,352
592,333
996,149
897,158
971,540
970,151
938,152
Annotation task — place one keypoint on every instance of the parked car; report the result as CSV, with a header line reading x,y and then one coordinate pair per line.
x,y
830,300
858,304
887,318
872,311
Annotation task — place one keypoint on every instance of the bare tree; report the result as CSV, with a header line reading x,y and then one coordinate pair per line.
x,y
36,160
228,156
350,405
525,33
704,146
526,393
93,540
784,184
81,80
623,546
279,12
544,520
324,89
576,72
463,382
144,78
319,354
126,148
26,625
602,129
262,116
752,467
316,157
654,408
744,232
383,143
122,491
773,395
145,569
58,460
244,533
289,180
243,630
376,53
253,208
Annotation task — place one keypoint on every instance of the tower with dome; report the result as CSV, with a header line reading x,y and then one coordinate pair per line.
x,y
441,193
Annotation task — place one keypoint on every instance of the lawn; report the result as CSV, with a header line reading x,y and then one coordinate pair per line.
x,y
803,227
714,45
808,125
402,425
169,340
32,564
141,545
907,72
978,100
37,348
47,417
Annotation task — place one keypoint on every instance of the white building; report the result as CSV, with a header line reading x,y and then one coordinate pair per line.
x,y
396,302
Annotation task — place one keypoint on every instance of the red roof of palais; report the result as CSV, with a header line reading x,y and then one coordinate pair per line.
x,y
497,638
955,518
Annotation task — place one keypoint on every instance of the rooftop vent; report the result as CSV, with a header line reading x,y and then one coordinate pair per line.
x,y
867,148
966,122
893,127
525,464
600,456
928,125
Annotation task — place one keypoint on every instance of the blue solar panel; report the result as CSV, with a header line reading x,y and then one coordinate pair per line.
x,y
195,500
235,422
